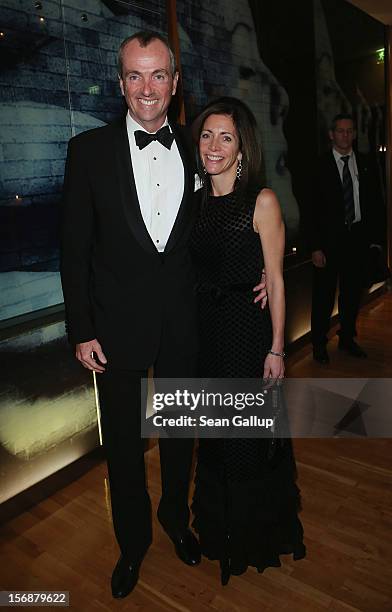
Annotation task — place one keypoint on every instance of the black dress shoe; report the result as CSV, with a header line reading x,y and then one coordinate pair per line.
x,y
352,348
186,546
320,354
124,578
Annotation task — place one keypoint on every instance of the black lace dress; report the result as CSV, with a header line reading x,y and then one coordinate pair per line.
x,y
246,501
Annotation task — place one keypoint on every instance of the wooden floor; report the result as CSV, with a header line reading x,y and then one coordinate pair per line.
x,y
66,542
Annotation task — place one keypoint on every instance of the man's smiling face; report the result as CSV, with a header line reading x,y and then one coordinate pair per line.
x,y
147,82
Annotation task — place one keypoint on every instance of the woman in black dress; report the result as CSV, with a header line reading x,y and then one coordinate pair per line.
x,y
246,500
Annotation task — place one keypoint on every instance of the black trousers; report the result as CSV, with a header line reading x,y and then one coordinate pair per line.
x,y
120,403
346,265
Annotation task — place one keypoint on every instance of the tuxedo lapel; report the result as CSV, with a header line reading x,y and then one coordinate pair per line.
x,y
127,185
184,212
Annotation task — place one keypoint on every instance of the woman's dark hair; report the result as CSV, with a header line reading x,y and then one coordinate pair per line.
x,y
246,126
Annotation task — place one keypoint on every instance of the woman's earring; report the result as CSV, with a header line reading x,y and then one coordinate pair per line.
x,y
239,169
204,170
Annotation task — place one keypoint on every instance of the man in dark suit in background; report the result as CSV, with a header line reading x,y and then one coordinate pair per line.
x,y
128,288
344,222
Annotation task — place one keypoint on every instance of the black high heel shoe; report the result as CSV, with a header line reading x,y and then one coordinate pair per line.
x,y
225,571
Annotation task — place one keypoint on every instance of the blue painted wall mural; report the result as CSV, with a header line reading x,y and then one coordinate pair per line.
x,y
59,78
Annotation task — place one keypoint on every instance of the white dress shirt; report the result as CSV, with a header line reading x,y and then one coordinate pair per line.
x,y
352,166
159,179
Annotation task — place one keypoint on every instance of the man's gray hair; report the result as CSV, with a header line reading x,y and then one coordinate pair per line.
x,y
144,38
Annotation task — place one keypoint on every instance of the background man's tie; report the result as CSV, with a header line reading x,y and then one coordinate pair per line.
x,y
348,192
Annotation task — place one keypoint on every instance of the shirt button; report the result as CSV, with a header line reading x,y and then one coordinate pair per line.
x,y
157,241
154,158
157,184
158,214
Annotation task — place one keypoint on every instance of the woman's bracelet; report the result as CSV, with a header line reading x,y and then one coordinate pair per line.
x,y
282,354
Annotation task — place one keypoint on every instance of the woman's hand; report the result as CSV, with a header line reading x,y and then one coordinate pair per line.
x,y
273,367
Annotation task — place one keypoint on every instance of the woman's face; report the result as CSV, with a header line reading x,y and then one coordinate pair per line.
x,y
219,146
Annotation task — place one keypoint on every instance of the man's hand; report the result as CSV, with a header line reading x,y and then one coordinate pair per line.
x,y
318,259
84,353
262,296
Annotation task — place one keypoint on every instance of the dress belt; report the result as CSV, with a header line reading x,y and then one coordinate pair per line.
x,y
217,291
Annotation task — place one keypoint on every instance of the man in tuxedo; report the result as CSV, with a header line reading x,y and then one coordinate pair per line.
x,y
345,206
128,289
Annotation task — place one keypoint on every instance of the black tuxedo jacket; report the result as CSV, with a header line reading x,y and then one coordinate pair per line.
x,y
326,230
117,287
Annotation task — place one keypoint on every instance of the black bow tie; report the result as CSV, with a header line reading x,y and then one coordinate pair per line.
x,y
164,136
